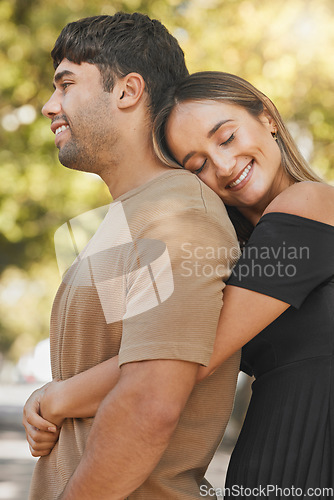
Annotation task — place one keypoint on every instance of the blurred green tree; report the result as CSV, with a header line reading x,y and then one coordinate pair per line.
x,y
285,48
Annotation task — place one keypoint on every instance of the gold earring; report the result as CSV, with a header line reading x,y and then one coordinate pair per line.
x,y
275,135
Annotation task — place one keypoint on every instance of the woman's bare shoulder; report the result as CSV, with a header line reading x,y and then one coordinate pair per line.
x,y
313,200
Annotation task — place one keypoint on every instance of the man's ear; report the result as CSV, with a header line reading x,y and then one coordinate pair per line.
x,y
129,90
268,121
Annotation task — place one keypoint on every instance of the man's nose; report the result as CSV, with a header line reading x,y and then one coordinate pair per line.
x,y
52,107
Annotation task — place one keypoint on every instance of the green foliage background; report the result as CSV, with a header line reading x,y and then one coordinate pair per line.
x,y
285,47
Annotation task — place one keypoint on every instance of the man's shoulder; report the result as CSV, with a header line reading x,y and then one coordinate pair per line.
x,y
177,206
180,190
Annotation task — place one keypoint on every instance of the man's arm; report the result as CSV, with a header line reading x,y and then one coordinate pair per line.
x,y
132,429
77,397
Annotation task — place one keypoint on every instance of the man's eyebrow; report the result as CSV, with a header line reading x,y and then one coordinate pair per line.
x,y
210,134
216,127
60,75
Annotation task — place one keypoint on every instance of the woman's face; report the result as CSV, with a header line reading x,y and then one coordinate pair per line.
x,y
230,150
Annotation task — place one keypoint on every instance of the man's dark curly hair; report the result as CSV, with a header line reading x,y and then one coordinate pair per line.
x,y
122,44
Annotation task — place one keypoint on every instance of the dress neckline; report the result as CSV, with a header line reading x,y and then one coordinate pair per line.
x,y
306,219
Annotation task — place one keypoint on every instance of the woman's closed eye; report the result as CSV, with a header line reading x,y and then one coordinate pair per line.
x,y
230,139
225,143
199,170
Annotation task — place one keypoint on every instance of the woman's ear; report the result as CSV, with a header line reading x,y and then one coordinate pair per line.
x,y
268,121
129,90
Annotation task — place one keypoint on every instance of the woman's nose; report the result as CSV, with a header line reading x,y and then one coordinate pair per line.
x,y
224,165
52,107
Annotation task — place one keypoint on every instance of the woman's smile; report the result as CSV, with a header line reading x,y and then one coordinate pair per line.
x,y
242,178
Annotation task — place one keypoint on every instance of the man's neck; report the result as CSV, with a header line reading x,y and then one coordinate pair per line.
x,y
132,172
133,162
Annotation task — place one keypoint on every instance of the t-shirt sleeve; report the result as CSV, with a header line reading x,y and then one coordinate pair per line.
x,y
286,257
175,274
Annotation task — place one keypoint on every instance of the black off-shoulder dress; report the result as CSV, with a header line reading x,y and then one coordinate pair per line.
x,y
287,440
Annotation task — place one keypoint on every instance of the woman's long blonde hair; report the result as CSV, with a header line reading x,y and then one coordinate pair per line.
x,y
219,86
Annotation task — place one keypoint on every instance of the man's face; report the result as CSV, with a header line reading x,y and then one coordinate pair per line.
x,y
82,117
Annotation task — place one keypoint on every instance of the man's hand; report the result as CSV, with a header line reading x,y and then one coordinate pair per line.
x,y
41,434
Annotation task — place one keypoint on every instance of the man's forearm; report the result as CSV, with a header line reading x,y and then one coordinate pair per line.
x,y
81,395
129,447
131,431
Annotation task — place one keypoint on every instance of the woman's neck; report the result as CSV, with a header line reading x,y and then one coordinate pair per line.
x,y
254,213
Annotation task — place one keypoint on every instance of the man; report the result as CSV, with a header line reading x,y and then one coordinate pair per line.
x,y
141,289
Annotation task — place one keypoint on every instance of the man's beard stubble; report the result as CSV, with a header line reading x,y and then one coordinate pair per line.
x,y
88,154
72,156
95,148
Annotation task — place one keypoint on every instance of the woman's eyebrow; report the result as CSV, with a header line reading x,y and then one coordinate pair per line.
x,y
216,127
187,157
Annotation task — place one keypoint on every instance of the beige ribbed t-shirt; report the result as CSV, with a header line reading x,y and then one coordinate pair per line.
x,y
148,285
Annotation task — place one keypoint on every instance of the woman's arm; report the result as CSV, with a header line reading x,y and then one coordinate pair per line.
x,y
81,395
244,314
76,397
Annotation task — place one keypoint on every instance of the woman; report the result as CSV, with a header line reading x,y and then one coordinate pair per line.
x,y
230,135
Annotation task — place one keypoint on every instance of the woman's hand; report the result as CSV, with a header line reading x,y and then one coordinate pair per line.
x,y
204,372
42,434
76,397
